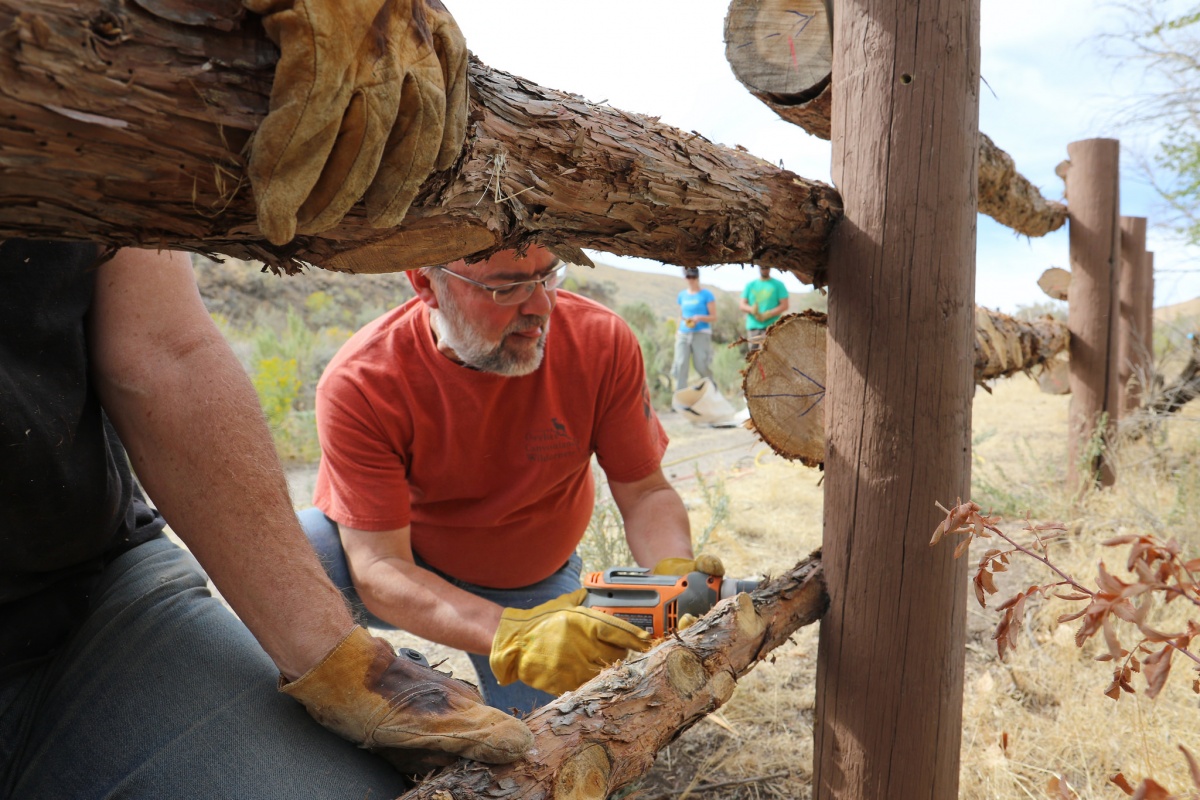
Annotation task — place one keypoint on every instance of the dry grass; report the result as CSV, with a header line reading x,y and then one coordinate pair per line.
x,y
1041,713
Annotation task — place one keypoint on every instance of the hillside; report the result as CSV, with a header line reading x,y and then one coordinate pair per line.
x,y
241,293
1178,312
659,291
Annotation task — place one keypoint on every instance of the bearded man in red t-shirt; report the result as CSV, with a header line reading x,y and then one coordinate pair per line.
x,y
457,434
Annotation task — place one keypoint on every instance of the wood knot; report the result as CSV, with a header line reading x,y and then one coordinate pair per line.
x,y
685,672
749,621
584,776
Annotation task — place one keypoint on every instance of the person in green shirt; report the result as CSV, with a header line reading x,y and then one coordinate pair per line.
x,y
764,301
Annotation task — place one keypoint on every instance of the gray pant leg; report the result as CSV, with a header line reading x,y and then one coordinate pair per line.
x,y
683,355
702,353
163,693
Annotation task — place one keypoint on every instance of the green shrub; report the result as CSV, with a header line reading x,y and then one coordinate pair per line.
x,y
276,381
657,340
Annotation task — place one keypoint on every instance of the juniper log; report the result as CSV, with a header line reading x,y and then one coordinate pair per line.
x,y
127,123
781,50
784,382
592,742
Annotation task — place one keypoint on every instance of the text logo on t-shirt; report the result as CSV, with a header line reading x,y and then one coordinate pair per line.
x,y
550,443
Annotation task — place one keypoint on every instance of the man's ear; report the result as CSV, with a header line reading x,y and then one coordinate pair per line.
x,y
423,286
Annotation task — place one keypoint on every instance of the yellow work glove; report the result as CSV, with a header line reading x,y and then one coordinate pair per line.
x,y
369,97
709,565
560,645
416,717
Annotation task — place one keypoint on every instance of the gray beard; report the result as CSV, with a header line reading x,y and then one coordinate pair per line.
x,y
478,352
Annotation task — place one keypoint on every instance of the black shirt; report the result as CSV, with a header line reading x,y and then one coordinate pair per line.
x,y
68,502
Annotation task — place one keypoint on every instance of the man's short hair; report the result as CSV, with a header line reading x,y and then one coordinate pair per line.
x,y
691,272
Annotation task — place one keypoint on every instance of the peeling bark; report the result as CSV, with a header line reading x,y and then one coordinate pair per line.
x,y
784,382
1005,346
129,126
1008,197
591,742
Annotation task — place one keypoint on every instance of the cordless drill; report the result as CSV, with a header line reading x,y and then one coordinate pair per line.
x,y
656,602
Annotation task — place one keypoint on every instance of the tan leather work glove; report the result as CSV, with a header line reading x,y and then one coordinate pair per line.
x,y
369,97
416,717
560,645
709,565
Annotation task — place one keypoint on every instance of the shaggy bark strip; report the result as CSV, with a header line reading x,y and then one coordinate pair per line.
x,y
781,50
784,382
1005,346
1008,197
591,742
128,123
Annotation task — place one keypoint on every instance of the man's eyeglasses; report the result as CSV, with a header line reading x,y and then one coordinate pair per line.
x,y
517,292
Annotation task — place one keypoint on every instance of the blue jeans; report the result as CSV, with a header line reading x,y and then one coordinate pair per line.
x,y
163,693
324,535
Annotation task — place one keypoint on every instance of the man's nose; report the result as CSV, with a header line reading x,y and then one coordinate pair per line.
x,y
541,302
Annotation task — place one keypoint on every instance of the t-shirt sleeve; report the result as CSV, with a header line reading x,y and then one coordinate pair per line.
x,y
709,297
781,292
630,440
362,479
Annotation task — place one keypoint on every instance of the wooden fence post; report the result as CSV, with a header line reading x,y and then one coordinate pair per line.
x,y
1093,201
1147,314
1130,352
900,353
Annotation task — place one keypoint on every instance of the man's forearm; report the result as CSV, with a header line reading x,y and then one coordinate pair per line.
x,y
657,527
198,442
211,468
416,600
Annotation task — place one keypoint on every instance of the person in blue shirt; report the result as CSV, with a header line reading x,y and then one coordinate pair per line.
x,y
693,341
763,301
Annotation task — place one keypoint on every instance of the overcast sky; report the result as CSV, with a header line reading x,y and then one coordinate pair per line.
x,y
1047,85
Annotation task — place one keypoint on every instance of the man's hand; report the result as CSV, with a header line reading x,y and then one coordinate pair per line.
x,y
560,645
416,717
369,97
709,565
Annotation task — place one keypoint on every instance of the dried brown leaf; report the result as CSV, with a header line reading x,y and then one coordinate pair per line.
x,y
1121,782
1150,789
963,546
1059,789
1193,767
1158,667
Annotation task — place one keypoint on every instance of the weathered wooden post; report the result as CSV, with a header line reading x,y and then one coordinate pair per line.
x,y
900,364
1146,315
1130,352
1093,199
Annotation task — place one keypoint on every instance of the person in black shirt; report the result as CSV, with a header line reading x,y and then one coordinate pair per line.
x,y
120,675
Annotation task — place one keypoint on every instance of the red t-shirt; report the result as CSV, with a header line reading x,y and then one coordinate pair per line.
x,y
493,473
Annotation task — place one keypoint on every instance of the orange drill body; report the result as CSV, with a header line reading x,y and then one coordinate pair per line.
x,y
656,602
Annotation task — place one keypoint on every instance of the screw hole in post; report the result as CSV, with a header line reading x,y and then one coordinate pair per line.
x,y
906,79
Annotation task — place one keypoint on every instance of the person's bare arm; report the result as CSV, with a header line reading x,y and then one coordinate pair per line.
x,y
777,310
198,442
410,597
656,523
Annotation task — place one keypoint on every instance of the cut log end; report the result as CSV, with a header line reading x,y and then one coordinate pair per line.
x,y
784,385
782,48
